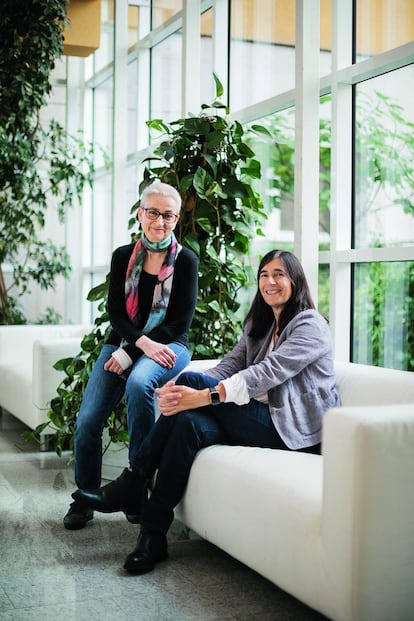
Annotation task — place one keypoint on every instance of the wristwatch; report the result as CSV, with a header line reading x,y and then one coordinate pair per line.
x,y
214,396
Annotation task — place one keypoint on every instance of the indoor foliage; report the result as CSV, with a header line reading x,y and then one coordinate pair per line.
x,y
207,159
39,167
384,177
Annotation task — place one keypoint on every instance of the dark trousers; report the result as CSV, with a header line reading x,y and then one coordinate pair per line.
x,y
174,441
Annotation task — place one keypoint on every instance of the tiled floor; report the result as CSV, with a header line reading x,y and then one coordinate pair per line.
x,y
49,573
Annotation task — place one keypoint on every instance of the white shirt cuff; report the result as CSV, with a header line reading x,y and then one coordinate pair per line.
x,y
236,389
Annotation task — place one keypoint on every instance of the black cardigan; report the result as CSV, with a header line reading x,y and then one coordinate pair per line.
x,y
180,308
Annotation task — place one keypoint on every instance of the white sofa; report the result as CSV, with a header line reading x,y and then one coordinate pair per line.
x,y
28,380
337,531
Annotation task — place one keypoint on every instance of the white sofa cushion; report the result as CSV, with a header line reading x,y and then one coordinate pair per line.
x,y
28,380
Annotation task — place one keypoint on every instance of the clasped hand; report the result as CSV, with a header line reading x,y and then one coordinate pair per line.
x,y
174,398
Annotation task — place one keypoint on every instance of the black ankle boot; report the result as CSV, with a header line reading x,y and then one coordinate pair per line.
x,y
151,548
126,493
78,516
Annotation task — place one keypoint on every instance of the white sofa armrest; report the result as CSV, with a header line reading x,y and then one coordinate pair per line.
x,y
368,511
46,353
16,342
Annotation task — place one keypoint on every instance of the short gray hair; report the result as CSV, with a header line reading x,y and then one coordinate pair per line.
x,y
163,189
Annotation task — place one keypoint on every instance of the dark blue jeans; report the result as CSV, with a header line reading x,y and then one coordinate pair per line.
x,y
174,441
103,391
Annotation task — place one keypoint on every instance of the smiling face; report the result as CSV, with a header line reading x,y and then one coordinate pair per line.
x,y
275,285
157,230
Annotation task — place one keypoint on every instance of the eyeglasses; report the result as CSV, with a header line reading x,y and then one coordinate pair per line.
x,y
153,214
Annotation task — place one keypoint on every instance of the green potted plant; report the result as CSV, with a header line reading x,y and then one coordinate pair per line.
x,y
207,158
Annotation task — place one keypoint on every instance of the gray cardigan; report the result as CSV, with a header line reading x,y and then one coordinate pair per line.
x,y
298,376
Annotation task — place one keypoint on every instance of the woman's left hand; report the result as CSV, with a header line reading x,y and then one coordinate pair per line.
x,y
174,398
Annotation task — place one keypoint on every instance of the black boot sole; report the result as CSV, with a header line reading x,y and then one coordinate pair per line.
x,y
77,525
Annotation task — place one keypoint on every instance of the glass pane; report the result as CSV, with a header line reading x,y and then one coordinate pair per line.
x,y
123,216
105,53
207,82
162,10
325,126
133,17
102,221
132,106
138,21
381,26
102,118
325,60
384,161
275,187
323,290
56,107
383,325
262,48
166,79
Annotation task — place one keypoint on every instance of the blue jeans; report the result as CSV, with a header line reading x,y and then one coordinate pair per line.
x,y
103,392
174,441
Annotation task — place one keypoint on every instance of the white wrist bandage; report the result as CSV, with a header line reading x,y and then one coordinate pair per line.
x,y
122,358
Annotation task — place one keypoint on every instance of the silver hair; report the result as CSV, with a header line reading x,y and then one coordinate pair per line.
x,y
164,189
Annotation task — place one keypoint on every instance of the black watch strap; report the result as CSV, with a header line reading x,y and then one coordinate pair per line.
x,y
214,396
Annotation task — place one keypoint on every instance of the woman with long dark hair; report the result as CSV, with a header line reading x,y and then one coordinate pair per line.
x,y
271,391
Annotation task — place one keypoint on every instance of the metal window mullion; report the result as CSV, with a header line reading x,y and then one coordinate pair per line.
x,y
73,220
306,205
144,81
191,46
221,34
119,211
341,180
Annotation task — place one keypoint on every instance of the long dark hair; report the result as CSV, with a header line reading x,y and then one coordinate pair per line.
x,y
260,314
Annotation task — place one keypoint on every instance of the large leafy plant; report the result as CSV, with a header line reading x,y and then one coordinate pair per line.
x,y
41,168
208,160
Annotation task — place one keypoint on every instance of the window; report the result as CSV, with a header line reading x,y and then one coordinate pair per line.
x,y
262,52
384,161
382,26
365,238
384,314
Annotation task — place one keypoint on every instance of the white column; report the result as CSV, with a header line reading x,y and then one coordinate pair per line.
x,y
306,209
120,208
341,181
190,94
73,230
221,44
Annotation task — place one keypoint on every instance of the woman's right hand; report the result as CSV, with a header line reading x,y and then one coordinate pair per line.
x,y
157,351
113,366
174,398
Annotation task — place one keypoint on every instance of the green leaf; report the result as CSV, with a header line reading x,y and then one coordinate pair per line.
x,y
158,125
263,131
214,305
219,86
98,292
202,182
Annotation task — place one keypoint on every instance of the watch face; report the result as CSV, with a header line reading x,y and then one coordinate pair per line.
x,y
215,396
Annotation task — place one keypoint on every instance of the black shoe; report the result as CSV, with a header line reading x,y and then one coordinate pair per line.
x,y
77,516
133,518
126,493
151,548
